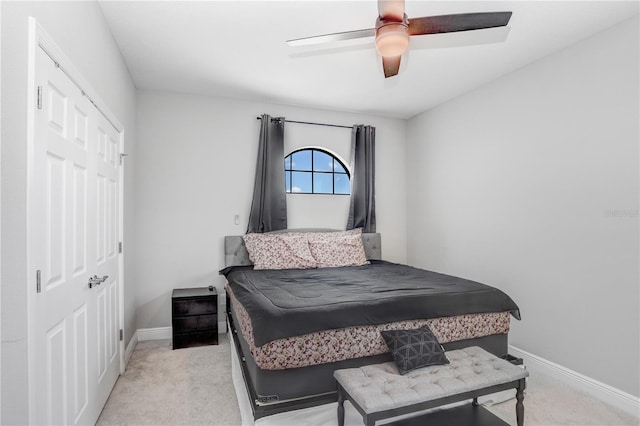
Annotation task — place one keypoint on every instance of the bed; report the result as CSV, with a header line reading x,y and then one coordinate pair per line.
x,y
293,328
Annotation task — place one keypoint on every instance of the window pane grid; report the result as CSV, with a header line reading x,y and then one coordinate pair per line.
x,y
314,171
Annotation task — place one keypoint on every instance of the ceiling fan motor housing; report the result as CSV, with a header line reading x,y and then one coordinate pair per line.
x,y
392,37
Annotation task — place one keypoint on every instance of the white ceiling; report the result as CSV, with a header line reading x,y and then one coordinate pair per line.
x,y
237,49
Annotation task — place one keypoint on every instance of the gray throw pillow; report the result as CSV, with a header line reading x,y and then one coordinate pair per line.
x,y
413,349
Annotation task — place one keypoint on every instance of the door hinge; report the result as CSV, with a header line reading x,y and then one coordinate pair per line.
x,y
38,282
122,155
120,247
121,335
39,99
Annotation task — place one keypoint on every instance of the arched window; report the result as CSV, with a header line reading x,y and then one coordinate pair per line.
x,y
315,171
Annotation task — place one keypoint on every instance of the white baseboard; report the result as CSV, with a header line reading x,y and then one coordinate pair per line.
x,y
130,348
160,333
613,396
157,333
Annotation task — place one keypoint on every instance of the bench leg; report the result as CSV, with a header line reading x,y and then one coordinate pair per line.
x,y
340,406
519,404
475,402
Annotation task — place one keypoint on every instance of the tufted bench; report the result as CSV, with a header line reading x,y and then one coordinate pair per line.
x,y
379,391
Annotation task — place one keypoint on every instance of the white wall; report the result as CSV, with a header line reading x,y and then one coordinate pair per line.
x,y
81,32
530,184
195,170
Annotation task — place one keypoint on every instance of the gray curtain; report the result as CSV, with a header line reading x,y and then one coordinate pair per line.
x,y
269,204
362,208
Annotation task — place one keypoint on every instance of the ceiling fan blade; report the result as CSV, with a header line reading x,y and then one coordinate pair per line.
x,y
457,22
331,48
328,38
460,38
390,65
391,10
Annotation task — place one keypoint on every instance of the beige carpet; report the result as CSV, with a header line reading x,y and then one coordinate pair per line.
x,y
183,387
550,402
193,387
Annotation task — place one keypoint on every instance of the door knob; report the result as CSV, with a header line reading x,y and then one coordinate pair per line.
x,y
97,281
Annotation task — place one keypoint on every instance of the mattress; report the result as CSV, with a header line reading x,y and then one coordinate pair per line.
x,y
329,346
295,302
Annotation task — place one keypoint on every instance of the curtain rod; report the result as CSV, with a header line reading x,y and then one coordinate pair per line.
x,y
314,124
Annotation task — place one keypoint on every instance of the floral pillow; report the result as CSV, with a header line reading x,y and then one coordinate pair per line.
x,y
279,251
333,249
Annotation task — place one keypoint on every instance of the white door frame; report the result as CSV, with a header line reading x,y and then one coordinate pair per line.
x,y
39,38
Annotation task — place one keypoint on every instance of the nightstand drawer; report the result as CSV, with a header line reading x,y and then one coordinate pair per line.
x,y
194,306
195,323
194,317
195,339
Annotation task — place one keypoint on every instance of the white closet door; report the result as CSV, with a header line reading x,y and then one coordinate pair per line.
x,y
73,236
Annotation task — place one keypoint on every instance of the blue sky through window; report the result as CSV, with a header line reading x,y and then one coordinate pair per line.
x,y
301,160
313,171
342,184
322,183
322,162
301,182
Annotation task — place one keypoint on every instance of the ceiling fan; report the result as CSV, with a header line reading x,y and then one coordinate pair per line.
x,y
393,30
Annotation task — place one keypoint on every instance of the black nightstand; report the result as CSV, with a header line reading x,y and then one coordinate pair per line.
x,y
194,317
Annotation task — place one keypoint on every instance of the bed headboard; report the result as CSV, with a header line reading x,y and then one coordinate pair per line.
x,y
235,253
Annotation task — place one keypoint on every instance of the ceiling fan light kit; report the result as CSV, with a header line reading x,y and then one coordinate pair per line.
x,y
392,38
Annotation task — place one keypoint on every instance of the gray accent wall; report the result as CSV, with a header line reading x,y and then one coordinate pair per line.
x,y
530,184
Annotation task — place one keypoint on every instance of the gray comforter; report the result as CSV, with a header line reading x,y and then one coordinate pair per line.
x,y
293,302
